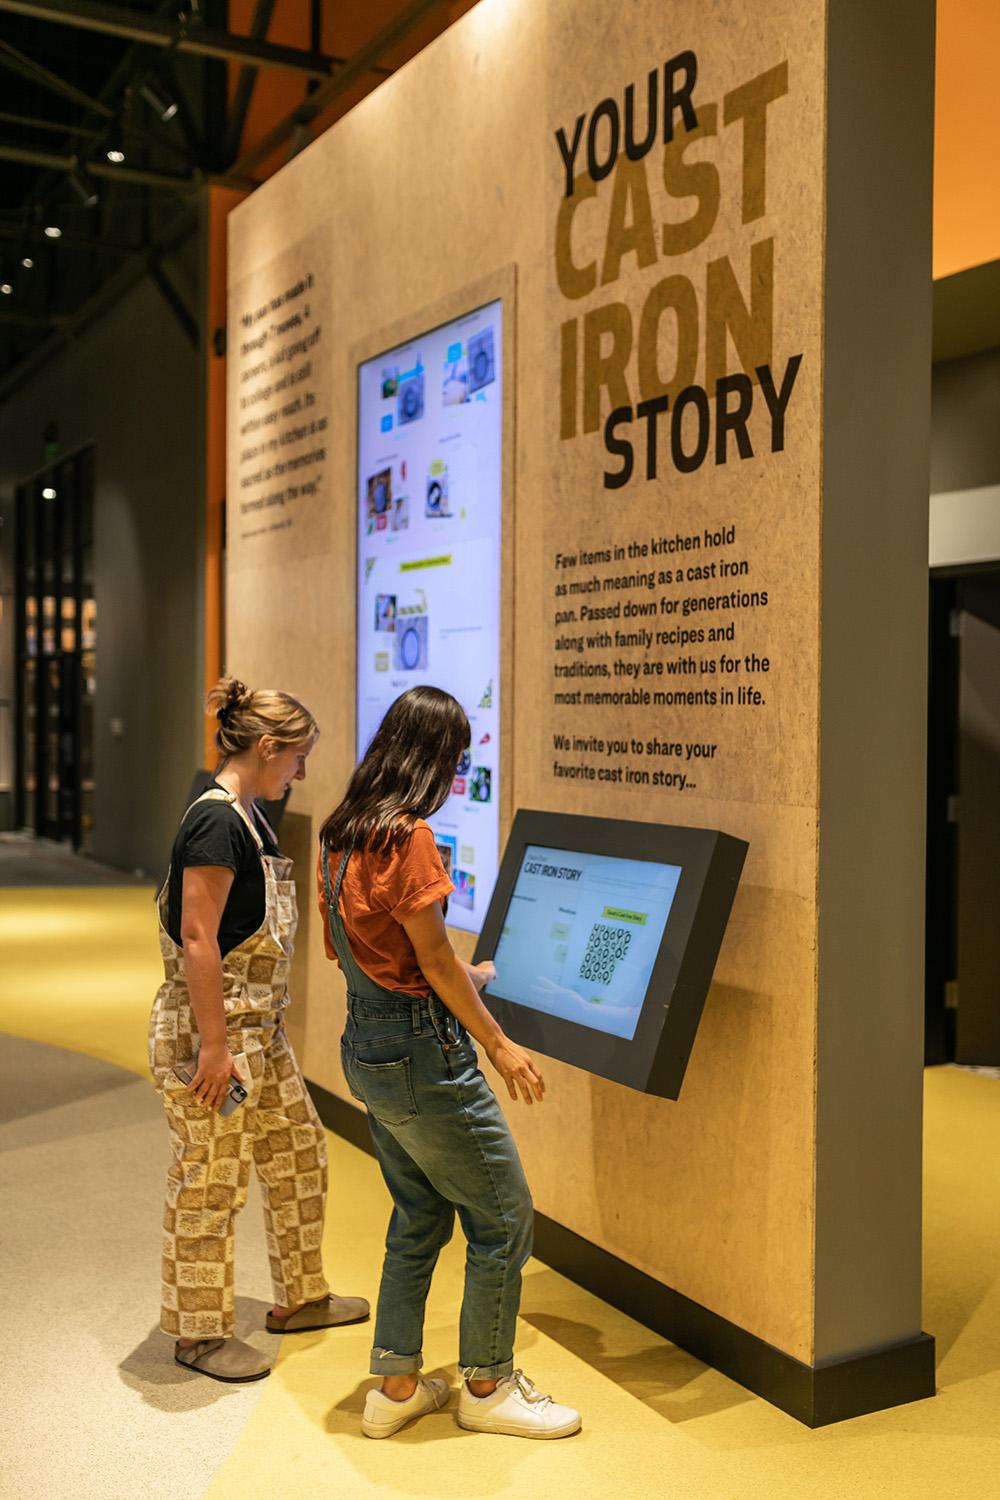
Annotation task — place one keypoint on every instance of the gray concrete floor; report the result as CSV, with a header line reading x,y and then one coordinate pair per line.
x,y
94,1407
26,860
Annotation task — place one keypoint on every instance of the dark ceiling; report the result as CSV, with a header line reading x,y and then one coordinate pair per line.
x,y
79,79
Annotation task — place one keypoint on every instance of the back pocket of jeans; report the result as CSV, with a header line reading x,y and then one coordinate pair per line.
x,y
386,1089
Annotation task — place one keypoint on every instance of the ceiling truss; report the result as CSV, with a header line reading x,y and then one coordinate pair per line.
x,y
78,227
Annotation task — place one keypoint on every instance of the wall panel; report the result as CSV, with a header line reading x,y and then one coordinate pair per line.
x,y
703,258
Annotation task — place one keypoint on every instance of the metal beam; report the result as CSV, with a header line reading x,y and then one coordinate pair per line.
x,y
27,320
30,123
26,67
179,35
34,234
185,317
361,63
245,86
123,279
176,182
49,161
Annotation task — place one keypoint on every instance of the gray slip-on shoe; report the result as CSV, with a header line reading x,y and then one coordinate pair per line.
x,y
326,1312
224,1359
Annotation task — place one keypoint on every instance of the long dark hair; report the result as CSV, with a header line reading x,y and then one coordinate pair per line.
x,y
406,773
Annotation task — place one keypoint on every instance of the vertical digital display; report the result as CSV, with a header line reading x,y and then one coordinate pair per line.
x,y
429,502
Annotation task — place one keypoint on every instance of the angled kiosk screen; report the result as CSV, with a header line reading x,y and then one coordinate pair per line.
x,y
605,934
581,936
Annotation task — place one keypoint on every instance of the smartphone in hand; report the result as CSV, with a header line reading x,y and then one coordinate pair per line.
x,y
235,1094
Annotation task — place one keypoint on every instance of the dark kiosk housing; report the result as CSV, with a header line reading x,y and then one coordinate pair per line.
x,y
690,875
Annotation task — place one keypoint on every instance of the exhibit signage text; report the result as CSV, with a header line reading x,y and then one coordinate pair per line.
x,y
608,348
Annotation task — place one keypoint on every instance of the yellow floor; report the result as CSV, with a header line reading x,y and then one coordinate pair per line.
x,y
79,968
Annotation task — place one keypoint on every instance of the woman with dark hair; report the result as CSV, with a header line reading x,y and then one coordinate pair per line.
x,y
221,1057
441,1140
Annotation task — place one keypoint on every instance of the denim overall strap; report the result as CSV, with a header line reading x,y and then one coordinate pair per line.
x,y
358,982
360,986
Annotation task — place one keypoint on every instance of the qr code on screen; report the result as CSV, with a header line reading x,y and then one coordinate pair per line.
x,y
605,946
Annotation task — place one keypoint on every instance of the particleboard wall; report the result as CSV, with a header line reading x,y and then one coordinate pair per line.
x,y
692,511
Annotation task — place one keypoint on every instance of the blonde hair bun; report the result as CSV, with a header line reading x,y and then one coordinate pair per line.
x,y
245,715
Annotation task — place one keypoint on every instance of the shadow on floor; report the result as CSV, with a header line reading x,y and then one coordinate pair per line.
x,y
150,1369
35,1077
654,1374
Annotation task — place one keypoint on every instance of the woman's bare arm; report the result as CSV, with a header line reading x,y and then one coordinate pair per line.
x,y
450,979
204,894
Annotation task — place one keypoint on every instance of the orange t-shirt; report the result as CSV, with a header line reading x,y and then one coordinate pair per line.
x,y
378,893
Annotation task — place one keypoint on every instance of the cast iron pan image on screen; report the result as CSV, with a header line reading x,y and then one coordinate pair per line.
x,y
411,643
411,399
437,498
480,360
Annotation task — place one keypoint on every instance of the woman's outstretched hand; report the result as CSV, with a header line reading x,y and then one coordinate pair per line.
x,y
517,1068
458,984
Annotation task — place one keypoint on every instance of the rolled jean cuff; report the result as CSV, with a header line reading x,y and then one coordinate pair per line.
x,y
386,1362
486,1372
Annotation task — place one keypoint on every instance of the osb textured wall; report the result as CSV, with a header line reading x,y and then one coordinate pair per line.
x,y
663,270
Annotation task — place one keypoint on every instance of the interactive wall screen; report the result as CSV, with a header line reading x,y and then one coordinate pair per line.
x,y
429,490
605,934
581,935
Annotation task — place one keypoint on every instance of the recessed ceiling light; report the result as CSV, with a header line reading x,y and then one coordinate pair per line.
x,y
6,288
53,231
27,262
48,494
116,154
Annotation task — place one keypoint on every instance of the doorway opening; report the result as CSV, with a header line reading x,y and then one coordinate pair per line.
x,y
962,996
55,651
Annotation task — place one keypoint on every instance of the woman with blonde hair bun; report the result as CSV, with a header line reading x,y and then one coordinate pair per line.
x,y
220,1054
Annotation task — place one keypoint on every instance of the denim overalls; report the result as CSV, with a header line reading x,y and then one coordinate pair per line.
x,y
444,1147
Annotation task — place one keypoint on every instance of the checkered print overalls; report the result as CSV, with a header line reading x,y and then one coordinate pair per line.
x,y
277,1127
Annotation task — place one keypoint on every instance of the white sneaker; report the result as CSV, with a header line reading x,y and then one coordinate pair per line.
x,y
383,1416
518,1409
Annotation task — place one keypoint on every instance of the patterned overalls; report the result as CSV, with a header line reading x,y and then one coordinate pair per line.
x,y
277,1127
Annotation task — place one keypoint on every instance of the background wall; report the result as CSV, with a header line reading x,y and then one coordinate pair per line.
x,y
396,207
134,387
966,144
965,432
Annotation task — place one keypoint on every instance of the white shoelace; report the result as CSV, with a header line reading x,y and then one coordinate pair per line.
x,y
527,1388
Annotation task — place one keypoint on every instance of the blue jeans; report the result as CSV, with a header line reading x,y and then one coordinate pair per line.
x,y
444,1147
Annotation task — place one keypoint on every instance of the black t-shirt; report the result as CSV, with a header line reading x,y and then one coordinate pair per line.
x,y
214,833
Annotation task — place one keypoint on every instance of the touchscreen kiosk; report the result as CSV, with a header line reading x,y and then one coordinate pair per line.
x,y
605,934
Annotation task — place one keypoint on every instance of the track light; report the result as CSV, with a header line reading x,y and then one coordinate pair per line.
x,y
164,107
84,188
115,147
